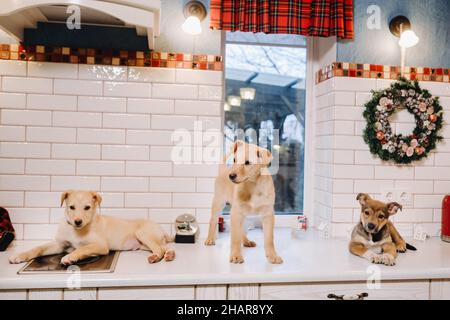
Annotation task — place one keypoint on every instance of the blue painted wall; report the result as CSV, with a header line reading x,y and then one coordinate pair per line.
x,y
429,19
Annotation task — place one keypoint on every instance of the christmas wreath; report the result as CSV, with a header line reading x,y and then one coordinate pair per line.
x,y
396,147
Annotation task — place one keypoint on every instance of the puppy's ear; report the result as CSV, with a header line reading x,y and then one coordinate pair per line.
x,y
362,198
265,155
393,207
64,196
97,198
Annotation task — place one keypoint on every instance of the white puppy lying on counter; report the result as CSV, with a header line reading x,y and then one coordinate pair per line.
x,y
84,234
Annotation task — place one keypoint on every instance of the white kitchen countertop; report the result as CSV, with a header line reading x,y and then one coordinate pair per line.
x,y
308,259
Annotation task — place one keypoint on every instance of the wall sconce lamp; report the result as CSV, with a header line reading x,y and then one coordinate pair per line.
x,y
195,12
400,27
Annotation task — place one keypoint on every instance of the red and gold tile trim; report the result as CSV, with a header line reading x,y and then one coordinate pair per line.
x,y
111,57
359,70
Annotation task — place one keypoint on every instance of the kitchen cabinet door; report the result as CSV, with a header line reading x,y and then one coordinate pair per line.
x,y
388,290
440,289
243,292
211,292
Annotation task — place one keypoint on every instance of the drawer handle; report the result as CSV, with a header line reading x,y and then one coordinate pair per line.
x,y
360,296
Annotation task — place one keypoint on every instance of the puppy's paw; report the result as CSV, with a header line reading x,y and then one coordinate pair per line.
x,y
169,255
249,243
385,259
388,259
69,259
401,247
376,259
153,258
19,258
236,258
210,242
273,258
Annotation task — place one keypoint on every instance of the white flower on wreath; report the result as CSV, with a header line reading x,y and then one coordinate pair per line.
x,y
391,149
412,92
422,107
378,126
404,93
410,151
381,108
414,143
431,126
384,102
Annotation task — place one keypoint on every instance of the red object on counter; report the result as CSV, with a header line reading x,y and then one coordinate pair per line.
x,y
302,222
221,224
445,230
7,232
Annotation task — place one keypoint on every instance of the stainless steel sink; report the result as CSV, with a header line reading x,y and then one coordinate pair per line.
x,y
52,264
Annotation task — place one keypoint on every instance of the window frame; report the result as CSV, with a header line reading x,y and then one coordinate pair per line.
x,y
285,219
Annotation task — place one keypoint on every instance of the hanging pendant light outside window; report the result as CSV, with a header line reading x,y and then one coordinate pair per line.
x,y
248,93
234,101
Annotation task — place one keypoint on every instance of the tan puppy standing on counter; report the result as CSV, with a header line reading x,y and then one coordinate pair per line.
x,y
375,238
249,188
85,234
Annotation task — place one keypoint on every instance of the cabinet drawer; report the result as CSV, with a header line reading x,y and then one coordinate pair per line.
x,y
45,294
13,295
389,290
80,294
147,293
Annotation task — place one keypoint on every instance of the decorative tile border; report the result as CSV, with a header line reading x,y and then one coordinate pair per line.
x,y
359,70
111,57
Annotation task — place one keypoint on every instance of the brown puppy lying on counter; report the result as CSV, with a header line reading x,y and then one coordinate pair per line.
x,y
85,234
375,238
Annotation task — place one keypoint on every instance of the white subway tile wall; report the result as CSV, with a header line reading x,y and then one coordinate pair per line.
x,y
344,166
105,128
323,155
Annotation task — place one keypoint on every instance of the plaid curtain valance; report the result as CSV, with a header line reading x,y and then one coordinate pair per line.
x,y
317,18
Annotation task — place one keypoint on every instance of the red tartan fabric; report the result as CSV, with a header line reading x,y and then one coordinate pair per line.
x,y
317,18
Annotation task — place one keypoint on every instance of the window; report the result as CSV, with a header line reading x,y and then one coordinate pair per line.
x,y
265,78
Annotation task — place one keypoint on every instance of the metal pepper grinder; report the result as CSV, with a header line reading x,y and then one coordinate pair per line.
x,y
445,229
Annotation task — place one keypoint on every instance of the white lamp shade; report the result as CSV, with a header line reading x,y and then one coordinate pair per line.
x,y
192,26
408,39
